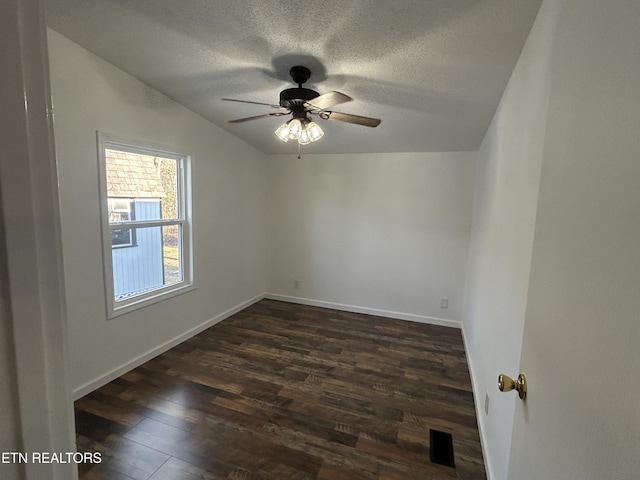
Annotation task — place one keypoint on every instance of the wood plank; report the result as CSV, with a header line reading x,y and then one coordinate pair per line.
x,y
288,391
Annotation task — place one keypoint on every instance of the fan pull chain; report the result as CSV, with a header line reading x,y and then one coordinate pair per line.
x,y
299,157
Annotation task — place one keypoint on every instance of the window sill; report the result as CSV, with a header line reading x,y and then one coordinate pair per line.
x,y
150,299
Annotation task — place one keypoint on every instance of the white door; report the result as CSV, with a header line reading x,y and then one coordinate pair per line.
x,y
581,343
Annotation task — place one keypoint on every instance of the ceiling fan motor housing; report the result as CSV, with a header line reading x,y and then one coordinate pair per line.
x,y
295,97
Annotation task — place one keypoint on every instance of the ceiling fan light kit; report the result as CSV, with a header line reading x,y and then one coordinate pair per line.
x,y
304,131
299,103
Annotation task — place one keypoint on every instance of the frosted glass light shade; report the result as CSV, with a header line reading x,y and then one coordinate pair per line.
x,y
304,131
295,128
283,132
304,137
314,131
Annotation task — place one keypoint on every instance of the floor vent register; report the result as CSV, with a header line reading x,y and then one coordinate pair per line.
x,y
441,448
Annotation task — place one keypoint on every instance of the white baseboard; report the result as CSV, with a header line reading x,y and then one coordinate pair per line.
x,y
479,411
366,310
155,351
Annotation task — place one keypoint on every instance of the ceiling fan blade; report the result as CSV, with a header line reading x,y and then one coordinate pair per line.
x,y
329,99
246,119
253,103
349,118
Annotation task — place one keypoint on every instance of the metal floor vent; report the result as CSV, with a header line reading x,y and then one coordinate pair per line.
x,y
441,448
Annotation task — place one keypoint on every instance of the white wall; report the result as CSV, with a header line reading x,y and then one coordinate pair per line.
x,y
383,233
90,94
504,213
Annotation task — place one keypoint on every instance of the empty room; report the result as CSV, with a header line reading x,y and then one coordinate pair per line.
x,y
368,240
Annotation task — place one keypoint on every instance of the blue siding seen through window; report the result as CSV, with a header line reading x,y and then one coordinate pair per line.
x,y
139,269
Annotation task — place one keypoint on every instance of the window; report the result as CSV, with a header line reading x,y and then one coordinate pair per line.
x,y
146,224
121,210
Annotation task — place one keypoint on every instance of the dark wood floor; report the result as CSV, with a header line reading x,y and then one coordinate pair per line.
x,y
284,392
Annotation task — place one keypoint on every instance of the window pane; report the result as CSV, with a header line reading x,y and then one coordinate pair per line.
x,y
168,169
121,210
133,175
138,270
121,237
172,254
154,263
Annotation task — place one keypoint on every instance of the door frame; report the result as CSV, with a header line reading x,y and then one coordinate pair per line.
x,y
31,268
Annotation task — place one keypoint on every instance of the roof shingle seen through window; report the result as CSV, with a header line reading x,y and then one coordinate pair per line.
x,y
133,175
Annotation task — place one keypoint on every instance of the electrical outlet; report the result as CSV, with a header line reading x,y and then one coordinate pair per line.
x,y
444,303
296,284
486,403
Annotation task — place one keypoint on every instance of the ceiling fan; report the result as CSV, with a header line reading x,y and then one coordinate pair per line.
x,y
301,102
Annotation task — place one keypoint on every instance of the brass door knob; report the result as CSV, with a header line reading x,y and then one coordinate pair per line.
x,y
506,384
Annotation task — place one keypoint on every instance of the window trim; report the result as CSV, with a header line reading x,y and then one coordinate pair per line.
x,y
185,220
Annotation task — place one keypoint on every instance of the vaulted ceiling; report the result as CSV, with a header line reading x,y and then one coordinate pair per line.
x,y
432,70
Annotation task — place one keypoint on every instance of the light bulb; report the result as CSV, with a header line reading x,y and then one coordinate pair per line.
x,y
314,131
283,132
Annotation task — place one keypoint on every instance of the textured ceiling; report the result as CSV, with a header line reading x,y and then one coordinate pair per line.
x,y
432,70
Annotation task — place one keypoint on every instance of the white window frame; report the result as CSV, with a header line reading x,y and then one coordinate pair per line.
x,y
185,220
